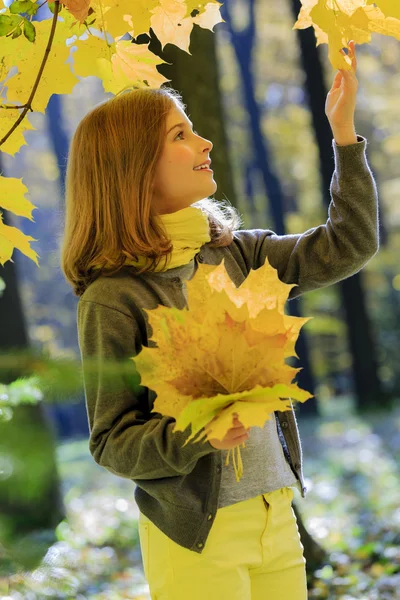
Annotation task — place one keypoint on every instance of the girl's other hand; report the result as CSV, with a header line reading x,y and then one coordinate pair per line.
x,y
341,100
235,436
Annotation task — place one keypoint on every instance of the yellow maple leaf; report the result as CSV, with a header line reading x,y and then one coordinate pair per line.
x,y
238,340
131,65
88,54
16,140
57,77
12,197
118,17
119,65
200,6
171,23
389,8
384,18
210,16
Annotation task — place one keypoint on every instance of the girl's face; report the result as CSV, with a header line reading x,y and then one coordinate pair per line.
x,y
177,185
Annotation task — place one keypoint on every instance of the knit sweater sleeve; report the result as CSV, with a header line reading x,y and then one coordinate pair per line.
x,y
125,437
331,252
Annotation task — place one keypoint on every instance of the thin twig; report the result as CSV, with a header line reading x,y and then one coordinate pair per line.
x,y
28,106
12,106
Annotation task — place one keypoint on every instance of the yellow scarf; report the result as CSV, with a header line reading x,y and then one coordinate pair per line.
x,y
188,229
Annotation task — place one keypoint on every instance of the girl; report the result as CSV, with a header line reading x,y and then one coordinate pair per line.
x,y
138,221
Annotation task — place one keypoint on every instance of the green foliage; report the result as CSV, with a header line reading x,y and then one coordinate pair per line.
x,y
26,551
29,31
21,391
326,325
30,507
30,500
10,23
24,6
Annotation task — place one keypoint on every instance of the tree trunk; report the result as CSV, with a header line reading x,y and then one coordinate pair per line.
x,y
69,418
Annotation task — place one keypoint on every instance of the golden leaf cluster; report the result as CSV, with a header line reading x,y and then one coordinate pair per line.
x,y
336,22
226,351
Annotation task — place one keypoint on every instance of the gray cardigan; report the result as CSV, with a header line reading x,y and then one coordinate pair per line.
x,y
180,489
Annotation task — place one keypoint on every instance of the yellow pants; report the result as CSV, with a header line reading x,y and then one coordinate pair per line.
x,y
253,552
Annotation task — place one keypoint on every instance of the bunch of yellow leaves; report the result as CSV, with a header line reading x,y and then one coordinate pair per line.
x,y
226,350
336,22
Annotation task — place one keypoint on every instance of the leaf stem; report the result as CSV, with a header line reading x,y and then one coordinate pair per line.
x,y
28,105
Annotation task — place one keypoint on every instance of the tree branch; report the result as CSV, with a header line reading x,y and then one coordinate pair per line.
x,y
28,106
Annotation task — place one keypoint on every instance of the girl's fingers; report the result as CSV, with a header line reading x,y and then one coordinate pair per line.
x,y
352,55
337,81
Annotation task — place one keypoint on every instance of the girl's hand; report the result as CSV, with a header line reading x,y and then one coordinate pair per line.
x,y
235,436
341,100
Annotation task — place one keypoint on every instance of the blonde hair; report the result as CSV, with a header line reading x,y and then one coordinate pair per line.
x,y
109,214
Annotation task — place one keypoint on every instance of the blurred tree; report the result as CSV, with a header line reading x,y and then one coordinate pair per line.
x,y
70,418
31,504
368,388
58,138
243,42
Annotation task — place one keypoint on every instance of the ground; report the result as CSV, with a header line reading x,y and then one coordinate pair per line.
x,y
352,509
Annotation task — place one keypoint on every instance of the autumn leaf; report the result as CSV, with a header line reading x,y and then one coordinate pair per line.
x,y
27,57
119,66
14,143
170,21
238,340
118,17
12,198
78,8
11,238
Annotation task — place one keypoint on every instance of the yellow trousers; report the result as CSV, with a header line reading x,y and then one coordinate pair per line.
x,y
253,552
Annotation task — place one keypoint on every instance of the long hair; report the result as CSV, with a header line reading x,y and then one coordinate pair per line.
x,y
109,213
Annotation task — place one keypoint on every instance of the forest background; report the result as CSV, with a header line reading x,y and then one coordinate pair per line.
x,y
277,85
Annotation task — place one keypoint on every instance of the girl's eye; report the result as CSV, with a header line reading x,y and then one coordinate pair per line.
x,y
182,132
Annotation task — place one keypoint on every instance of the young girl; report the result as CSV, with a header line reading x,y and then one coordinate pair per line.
x,y
138,222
